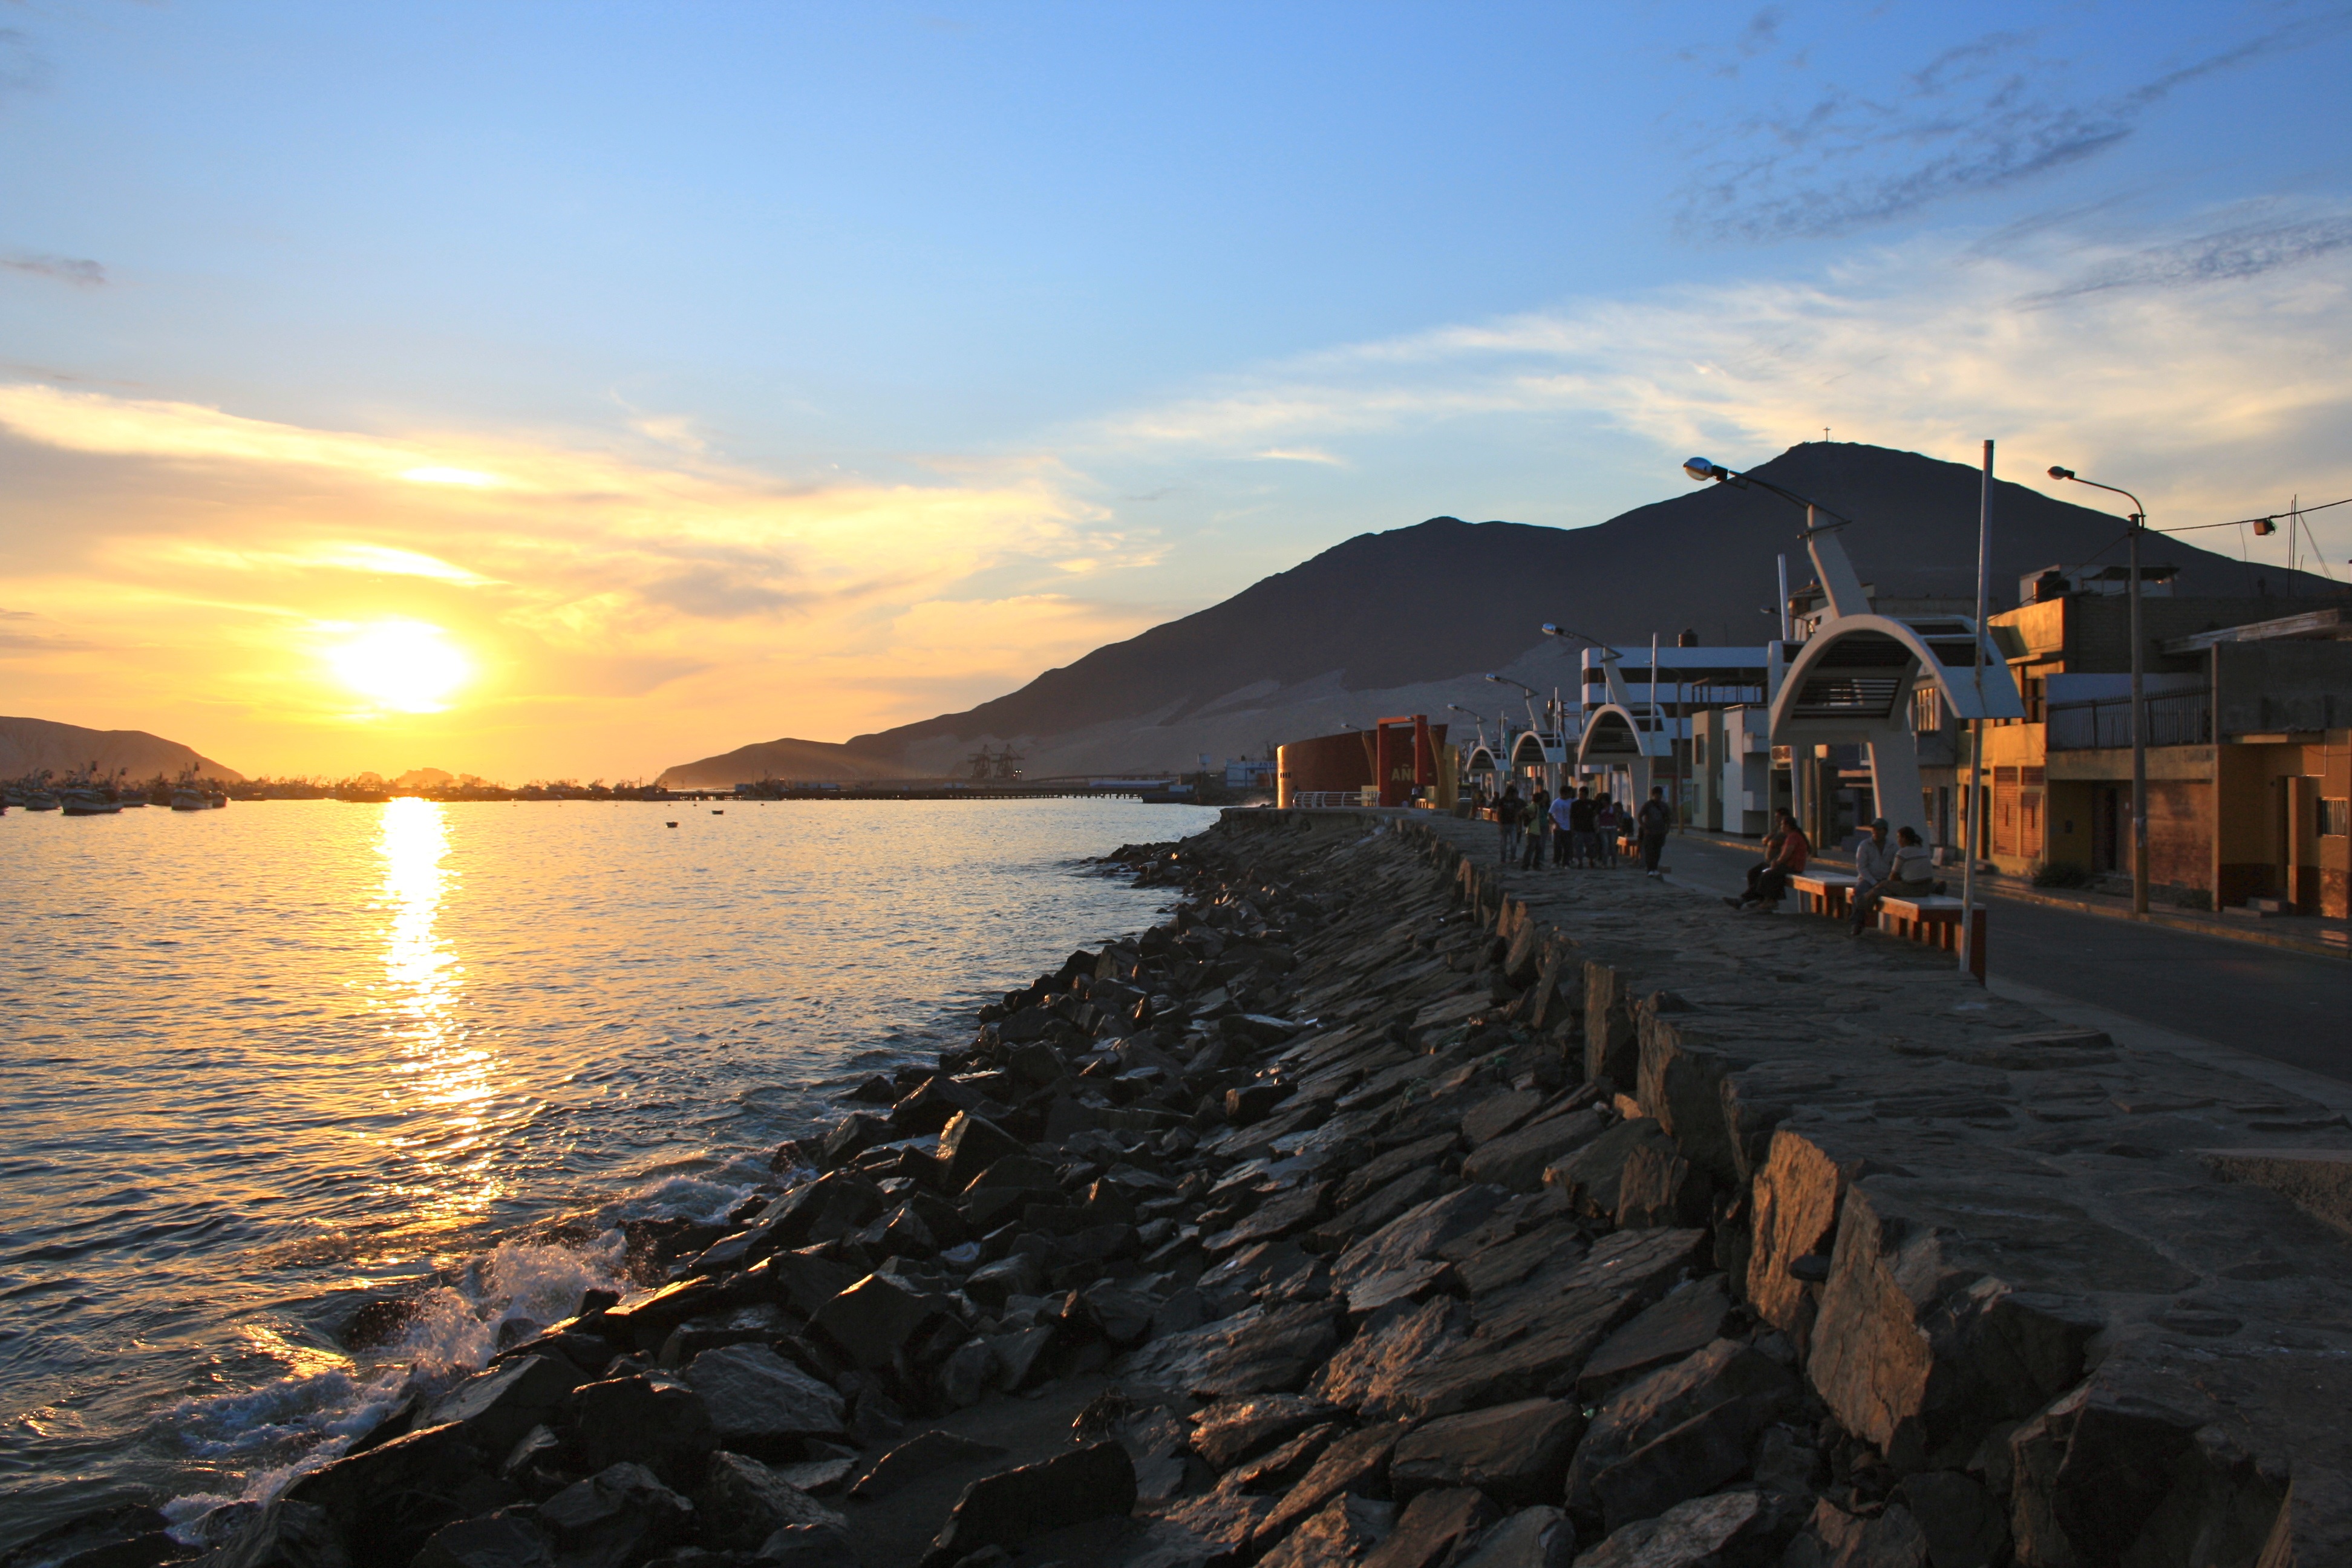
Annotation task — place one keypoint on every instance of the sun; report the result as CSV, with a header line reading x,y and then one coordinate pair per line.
x,y
405,667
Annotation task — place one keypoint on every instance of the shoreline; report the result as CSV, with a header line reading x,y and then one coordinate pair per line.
x,y
1357,1213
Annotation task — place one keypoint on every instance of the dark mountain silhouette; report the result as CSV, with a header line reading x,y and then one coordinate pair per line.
x,y
1447,597
802,760
29,745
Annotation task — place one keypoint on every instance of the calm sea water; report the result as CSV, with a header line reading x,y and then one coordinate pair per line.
x,y
260,1064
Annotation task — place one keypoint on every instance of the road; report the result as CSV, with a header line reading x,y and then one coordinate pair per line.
x,y
2288,1007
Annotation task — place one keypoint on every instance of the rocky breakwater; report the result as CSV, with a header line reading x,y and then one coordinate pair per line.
x,y
1360,1213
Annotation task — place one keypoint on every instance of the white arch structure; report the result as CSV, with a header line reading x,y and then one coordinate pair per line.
x,y
1853,682
1618,736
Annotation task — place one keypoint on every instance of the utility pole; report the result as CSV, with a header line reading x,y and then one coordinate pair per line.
x,y
1975,801
2138,695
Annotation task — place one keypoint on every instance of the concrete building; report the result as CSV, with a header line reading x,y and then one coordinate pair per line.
x,y
2249,714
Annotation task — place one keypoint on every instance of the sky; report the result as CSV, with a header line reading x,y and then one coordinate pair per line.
x,y
571,390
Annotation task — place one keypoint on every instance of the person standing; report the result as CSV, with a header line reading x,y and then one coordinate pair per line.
x,y
1610,825
1507,812
1538,807
1584,844
1561,848
1657,818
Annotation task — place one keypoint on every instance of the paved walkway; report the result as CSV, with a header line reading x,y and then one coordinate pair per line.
x,y
2150,987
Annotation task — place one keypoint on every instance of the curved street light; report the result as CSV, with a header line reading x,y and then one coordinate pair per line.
x,y
2139,681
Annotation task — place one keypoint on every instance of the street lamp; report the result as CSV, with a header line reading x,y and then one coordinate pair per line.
x,y
2138,714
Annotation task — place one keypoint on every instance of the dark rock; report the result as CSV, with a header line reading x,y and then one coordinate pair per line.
x,y
1684,1321
1499,1114
379,1323
1020,1356
621,1515
1407,1246
970,1145
1428,1153
1254,1102
875,1090
1517,1454
1963,1522
760,1404
1226,1433
1356,1463
1262,1349
1729,1529
1891,1538
742,1502
1370,1371
874,1319
964,1377
1346,1530
1687,1460
1518,1160
819,1477
1659,1187
655,1423
826,1209
920,1457
1212,1528
807,1546
387,1501
1531,1537
1725,1372
509,1538
644,1323
1433,1527
991,1283
1094,1482
1506,1263
1589,1177
1280,1216
802,1280
857,1133
1280,1466
498,1406
931,1108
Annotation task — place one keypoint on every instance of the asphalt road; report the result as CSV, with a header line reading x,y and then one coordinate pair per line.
x,y
2290,1008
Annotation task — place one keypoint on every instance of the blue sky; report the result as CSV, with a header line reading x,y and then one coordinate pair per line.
x,y
819,367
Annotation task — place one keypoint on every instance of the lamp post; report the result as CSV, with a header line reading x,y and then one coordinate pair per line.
x,y
2138,712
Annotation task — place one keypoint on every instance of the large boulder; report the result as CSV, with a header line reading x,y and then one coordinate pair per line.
x,y
1539,1537
1435,1529
619,1516
874,1319
498,1406
1518,1160
1005,1510
653,1422
742,1502
1728,1530
1516,1453
386,1503
509,1538
763,1404
1725,1373
1261,1350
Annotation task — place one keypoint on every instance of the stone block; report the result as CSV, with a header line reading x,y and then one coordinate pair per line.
x,y
1414,1236
1433,1527
1659,1187
1589,1177
385,1503
969,1145
1005,1510
2317,1181
918,1456
1259,1351
742,1502
1680,1323
871,1320
1347,1530
622,1514
1642,1412
763,1404
509,1538
1357,1463
1795,1200
1226,1433
1517,1161
1689,1459
653,1422
1532,1538
496,1407
1611,1043
1517,1454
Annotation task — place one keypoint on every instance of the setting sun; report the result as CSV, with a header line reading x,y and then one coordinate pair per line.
x,y
408,666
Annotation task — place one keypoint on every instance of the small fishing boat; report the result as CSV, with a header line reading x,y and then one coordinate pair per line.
x,y
186,799
88,803
40,800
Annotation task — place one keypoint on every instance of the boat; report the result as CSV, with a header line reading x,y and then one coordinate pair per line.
x,y
185,799
40,800
88,803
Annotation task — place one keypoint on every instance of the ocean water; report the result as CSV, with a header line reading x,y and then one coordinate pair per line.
x,y
261,1066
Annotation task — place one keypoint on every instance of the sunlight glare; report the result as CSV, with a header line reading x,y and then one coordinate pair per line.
x,y
408,666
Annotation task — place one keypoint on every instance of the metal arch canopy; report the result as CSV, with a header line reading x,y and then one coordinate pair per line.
x,y
1481,760
1614,732
1857,672
1534,749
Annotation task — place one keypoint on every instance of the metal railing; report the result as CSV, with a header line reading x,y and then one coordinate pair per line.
x,y
2174,718
1314,799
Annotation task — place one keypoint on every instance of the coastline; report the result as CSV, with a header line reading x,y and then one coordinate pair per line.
x,y
1360,1213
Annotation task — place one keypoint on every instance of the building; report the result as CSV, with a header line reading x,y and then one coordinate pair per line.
x,y
2249,715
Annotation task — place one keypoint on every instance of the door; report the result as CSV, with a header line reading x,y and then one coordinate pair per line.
x,y
2107,812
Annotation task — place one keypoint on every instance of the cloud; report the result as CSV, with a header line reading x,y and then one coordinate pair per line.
x,y
1301,455
1993,111
2198,358
65,268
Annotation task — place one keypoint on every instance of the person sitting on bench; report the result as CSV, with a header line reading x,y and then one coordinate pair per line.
x,y
1909,876
1785,853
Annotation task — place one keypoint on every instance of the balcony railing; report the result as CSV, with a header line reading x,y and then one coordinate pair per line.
x,y
2174,718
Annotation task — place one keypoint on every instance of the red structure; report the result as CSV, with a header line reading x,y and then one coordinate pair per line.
x,y
1399,777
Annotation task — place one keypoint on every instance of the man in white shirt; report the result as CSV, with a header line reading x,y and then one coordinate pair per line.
x,y
1561,843
1905,870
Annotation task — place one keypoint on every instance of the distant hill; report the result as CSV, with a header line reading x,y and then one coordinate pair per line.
x,y
29,745
811,760
1410,620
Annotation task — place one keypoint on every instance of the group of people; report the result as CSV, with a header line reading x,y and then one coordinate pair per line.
x,y
1881,870
1583,829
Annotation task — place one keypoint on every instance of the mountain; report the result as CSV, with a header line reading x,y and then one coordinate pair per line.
x,y
811,760
29,745
1410,620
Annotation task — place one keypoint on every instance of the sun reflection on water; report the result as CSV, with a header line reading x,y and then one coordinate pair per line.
x,y
443,1083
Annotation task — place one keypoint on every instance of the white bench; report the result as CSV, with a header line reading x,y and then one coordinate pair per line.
x,y
1933,919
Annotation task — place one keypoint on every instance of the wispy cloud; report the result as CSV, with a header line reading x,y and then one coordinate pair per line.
x,y
1993,111
64,269
2198,358
1301,455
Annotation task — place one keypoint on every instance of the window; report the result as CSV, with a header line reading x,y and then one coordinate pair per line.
x,y
2334,817
1926,710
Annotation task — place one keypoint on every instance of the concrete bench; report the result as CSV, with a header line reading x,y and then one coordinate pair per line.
x,y
1823,893
1934,918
